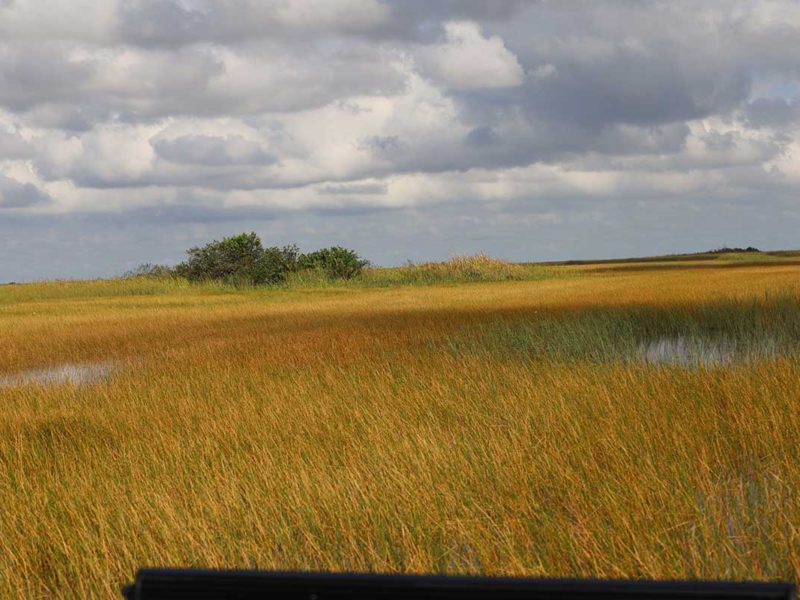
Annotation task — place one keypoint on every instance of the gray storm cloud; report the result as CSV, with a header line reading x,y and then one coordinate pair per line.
x,y
132,129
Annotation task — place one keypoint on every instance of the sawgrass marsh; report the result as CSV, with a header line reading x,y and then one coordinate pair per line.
x,y
557,420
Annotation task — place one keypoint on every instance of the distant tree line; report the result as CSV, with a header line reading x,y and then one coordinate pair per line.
x,y
243,260
725,250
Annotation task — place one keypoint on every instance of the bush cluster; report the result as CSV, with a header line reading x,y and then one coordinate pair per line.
x,y
151,271
238,260
726,250
336,262
243,260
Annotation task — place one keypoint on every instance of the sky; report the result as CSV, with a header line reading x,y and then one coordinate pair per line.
x,y
131,130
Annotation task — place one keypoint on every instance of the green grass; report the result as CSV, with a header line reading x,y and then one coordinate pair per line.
x,y
748,330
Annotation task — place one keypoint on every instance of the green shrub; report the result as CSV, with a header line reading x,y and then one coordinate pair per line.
x,y
239,260
336,262
151,271
242,260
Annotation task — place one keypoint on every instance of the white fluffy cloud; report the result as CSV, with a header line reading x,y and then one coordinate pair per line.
x,y
467,60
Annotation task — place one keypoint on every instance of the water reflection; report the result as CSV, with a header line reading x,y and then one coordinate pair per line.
x,y
68,374
688,351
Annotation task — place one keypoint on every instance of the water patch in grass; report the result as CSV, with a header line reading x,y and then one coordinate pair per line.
x,y
708,353
712,335
67,374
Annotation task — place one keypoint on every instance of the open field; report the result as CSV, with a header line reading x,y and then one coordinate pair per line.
x,y
571,421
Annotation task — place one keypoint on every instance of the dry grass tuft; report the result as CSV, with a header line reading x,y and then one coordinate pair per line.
x,y
458,269
478,267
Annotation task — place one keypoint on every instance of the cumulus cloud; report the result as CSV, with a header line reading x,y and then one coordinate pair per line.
x,y
468,60
84,20
204,116
354,188
171,23
210,151
12,145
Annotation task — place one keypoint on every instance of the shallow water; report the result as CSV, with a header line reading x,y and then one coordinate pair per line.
x,y
67,374
687,351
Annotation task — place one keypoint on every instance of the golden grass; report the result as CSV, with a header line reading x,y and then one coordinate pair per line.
x,y
478,267
331,429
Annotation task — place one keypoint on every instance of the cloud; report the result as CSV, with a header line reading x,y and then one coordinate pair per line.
x,y
12,145
84,20
198,114
777,112
171,23
14,194
110,156
354,188
213,151
468,60
72,85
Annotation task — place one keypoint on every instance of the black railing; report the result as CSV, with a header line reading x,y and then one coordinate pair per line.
x,y
167,584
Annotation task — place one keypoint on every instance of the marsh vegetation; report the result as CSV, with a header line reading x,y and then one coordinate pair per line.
x,y
546,420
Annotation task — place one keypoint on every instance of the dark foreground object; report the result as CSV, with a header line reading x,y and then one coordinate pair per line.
x,y
163,584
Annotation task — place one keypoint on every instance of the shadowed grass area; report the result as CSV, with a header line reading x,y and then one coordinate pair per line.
x,y
415,429
714,333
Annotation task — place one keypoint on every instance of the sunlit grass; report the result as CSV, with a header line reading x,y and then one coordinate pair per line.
x,y
436,428
459,269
